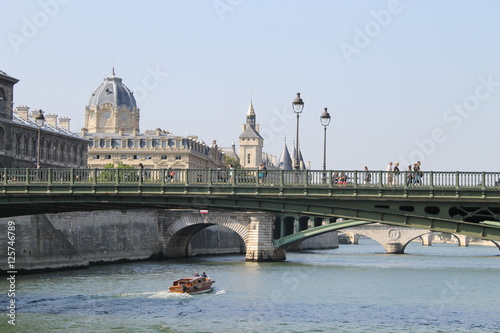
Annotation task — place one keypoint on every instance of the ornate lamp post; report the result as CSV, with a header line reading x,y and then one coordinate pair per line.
x,y
325,121
40,120
298,106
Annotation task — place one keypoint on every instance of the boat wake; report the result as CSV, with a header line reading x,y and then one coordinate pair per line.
x,y
220,292
167,294
157,294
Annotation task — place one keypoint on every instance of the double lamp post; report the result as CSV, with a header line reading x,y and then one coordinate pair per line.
x,y
298,106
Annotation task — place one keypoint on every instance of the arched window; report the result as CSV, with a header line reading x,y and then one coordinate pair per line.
x,y
26,145
3,100
2,138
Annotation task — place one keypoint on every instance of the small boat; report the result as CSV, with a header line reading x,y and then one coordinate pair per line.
x,y
192,285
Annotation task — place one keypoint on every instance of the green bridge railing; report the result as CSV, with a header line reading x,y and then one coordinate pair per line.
x,y
241,177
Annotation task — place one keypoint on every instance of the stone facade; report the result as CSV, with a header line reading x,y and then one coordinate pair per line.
x,y
112,126
19,136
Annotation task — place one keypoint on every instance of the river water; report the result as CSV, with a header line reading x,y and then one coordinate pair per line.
x,y
355,288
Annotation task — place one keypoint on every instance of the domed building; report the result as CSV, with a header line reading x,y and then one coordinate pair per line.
x,y
112,108
112,126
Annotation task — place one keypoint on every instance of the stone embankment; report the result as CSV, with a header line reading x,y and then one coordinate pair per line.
x,y
79,239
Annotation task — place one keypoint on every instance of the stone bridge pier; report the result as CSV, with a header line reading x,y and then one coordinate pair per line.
x,y
463,240
427,239
176,229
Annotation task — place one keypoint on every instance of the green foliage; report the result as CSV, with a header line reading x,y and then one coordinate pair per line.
x,y
231,160
119,165
125,172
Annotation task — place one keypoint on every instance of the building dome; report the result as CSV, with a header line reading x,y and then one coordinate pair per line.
x,y
113,91
112,108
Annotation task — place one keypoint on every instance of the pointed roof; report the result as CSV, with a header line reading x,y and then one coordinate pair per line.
x,y
285,161
301,161
250,131
251,111
302,164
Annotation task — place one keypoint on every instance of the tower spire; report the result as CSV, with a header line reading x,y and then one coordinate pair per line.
x,y
113,63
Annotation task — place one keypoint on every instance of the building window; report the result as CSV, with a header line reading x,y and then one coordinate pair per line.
x,y
136,157
107,157
248,159
124,157
178,157
148,157
96,157
164,157
3,101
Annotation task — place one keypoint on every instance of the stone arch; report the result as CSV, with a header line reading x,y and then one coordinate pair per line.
x,y
422,240
393,239
177,235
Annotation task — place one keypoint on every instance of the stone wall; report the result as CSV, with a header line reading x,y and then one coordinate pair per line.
x,y
78,239
51,241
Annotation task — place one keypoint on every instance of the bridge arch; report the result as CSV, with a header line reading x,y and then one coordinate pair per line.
x,y
393,239
496,243
175,236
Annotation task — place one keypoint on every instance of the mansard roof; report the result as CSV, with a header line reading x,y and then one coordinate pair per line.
x,y
46,127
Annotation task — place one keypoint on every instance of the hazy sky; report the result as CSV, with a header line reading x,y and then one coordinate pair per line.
x,y
403,80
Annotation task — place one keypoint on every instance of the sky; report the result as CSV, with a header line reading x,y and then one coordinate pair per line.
x,y
403,80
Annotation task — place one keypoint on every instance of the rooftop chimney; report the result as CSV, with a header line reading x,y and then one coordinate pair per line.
x,y
22,111
51,119
64,123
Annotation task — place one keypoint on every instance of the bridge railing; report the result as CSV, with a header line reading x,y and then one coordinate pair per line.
x,y
240,177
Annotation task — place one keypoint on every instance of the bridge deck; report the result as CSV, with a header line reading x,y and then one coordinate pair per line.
x,y
440,201
11,179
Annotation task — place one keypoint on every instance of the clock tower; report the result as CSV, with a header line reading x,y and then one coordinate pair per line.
x,y
251,142
112,108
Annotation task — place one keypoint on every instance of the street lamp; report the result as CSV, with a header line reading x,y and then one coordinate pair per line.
x,y
298,106
325,121
40,120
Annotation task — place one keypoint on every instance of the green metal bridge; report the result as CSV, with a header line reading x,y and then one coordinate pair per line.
x,y
453,202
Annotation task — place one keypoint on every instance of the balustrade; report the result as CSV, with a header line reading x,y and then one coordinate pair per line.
x,y
243,177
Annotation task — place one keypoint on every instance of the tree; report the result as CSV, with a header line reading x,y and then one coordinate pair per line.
x,y
125,173
231,160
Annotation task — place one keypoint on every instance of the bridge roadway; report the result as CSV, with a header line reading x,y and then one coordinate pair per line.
x,y
454,202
